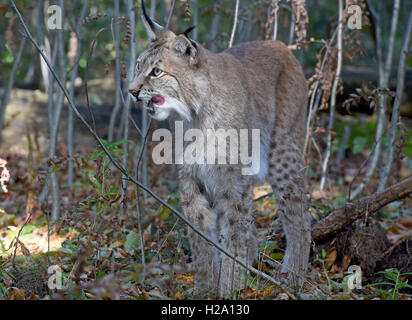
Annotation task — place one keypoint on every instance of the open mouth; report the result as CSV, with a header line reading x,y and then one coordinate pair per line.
x,y
156,100
150,107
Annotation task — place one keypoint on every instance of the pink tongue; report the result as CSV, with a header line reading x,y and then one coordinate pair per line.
x,y
158,99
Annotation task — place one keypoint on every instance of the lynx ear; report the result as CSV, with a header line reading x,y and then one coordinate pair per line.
x,y
153,29
187,48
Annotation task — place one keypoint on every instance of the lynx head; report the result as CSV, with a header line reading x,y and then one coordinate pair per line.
x,y
166,71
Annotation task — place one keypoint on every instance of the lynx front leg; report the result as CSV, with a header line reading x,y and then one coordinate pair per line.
x,y
236,232
197,210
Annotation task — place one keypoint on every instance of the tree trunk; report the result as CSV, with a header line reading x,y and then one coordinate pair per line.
x,y
70,120
117,102
56,116
5,100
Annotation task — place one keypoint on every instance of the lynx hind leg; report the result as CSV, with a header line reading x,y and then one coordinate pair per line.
x,y
205,259
286,175
237,233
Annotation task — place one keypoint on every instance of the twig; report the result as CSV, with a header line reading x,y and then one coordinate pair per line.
x,y
333,97
292,26
86,90
172,8
232,37
138,207
349,195
275,20
18,236
263,197
314,103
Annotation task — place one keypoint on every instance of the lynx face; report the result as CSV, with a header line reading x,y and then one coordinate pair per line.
x,y
162,75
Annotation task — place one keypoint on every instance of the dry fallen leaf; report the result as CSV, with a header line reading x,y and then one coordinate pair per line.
x,y
318,194
17,294
331,258
89,295
406,221
266,204
268,291
335,269
186,278
23,248
346,262
8,281
282,296
249,293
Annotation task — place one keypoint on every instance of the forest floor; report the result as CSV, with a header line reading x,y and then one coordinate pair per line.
x,y
96,242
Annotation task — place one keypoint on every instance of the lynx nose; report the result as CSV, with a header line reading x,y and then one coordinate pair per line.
x,y
135,93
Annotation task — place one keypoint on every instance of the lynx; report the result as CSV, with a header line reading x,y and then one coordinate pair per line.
x,y
256,85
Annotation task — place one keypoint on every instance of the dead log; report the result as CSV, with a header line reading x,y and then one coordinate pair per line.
x,y
342,217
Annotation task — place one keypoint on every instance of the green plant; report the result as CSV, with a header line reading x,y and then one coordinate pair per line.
x,y
396,282
323,260
3,289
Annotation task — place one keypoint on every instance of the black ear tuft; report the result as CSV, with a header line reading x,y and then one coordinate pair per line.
x,y
189,30
153,29
149,21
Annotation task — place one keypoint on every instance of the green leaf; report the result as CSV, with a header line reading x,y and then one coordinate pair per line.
x,y
359,143
82,63
277,256
9,274
410,62
3,290
55,169
115,144
380,284
28,229
95,182
165,212
132,242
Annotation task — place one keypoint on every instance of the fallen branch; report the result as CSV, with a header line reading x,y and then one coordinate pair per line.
x,y
342,217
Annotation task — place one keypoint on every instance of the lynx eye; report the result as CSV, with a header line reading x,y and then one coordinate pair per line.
x,y
156,72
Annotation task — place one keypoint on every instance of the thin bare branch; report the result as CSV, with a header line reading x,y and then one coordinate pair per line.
x,y
232,36
172,8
